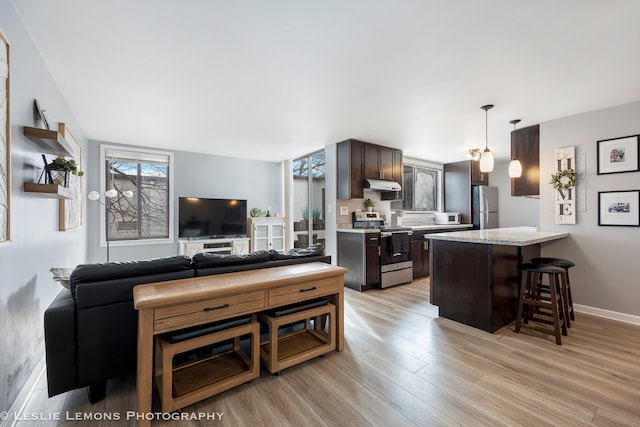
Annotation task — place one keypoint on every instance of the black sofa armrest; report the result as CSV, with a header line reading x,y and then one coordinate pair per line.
x,y
60,344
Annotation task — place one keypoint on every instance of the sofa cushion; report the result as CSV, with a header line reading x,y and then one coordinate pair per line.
x,y
313,250
125,269
209,259
111,282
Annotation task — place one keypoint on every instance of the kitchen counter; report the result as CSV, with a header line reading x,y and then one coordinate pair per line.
x,y
429,227
475,276
515,236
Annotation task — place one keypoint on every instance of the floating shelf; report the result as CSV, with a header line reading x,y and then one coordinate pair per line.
x,y
49,141
53,191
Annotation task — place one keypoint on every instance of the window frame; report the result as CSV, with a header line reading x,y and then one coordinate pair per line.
x,y
103,182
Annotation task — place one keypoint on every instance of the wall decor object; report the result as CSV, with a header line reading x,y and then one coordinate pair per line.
x,y
70,210
619,208
5,136
564,181
40,115
618,155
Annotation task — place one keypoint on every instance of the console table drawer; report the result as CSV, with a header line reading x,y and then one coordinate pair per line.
x,y
303,291
199,312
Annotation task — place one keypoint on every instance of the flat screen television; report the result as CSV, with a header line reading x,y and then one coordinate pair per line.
x,y
201,218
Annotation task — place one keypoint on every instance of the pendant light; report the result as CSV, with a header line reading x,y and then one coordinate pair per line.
x,y
486,160
515,167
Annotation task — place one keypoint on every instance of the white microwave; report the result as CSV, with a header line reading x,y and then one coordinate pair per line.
x,y
447,217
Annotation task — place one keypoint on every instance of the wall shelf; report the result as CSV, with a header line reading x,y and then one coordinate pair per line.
x,y
49,141
49,190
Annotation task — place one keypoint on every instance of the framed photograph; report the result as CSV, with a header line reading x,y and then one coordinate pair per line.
x,y
618,155
619,208
70,210
5,136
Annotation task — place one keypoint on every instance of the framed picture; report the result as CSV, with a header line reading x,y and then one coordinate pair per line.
x,y
5,136
618,155
619,208
70,210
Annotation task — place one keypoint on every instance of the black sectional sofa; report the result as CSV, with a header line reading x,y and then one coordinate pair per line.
x,y
91,328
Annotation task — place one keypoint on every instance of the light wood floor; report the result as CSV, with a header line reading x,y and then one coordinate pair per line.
x,y
404,366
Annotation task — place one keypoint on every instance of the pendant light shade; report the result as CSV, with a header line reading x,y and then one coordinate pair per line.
x,y
515,167
486,160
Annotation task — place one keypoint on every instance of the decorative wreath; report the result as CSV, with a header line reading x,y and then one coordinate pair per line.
x,y
564,179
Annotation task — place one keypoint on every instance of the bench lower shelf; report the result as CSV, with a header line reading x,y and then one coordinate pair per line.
x,y
204,373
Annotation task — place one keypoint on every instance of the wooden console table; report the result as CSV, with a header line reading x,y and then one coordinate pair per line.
x,y
179,304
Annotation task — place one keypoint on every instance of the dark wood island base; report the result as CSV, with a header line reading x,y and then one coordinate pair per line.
x,y
477,284
475,277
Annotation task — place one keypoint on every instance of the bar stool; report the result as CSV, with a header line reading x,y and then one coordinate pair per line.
x,y
539,300
567,300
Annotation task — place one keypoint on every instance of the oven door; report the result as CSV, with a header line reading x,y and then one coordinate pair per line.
x,y
395,247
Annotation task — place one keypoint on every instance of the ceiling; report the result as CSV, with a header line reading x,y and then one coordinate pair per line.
x,y
276,79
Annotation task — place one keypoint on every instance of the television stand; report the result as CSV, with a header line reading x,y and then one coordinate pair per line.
x,y
233,246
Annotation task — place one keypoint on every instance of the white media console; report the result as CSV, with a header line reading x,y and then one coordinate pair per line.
x,y
234,246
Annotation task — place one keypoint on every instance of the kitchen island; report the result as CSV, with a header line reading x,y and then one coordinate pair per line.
x,y
475,276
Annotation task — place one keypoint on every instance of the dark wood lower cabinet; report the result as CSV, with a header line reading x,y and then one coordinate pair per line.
x,y
477,284
360,254
420,254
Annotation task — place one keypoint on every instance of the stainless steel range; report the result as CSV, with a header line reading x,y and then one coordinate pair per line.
x,y
396,266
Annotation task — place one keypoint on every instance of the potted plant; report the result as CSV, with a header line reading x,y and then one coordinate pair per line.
x,y
368,204
66,165
57,172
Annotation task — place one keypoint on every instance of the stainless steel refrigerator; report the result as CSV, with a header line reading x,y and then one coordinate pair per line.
x,y
484,205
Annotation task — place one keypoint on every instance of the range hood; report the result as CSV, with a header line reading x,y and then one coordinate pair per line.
x,y
382,185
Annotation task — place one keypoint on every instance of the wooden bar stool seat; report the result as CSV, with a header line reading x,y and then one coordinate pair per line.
x,y
567,300
540,304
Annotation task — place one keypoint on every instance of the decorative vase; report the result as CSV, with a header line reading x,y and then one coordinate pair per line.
x,y
369,208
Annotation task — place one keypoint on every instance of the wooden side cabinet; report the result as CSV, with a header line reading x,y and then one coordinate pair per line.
x,y
525,146
266,233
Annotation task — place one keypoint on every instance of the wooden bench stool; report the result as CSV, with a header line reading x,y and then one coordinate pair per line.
x,y
542,305
567,299
214,368
281,351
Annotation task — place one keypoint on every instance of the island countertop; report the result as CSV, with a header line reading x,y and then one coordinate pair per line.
x,y
513,236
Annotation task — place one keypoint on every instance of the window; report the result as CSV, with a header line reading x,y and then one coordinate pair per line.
x,y
147,215
420,189
309,199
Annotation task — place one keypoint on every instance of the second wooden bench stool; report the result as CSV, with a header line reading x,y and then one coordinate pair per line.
x,y
284,350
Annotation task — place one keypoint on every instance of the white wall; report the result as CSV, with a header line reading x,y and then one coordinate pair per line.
x,y
196,175
26,286
512,211
607,272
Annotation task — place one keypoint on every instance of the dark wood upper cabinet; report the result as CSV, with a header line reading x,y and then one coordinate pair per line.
x,y
477,177
350,169
525,146
358,160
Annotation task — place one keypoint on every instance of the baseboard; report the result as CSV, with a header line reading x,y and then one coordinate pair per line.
x,y
613,315
25,394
